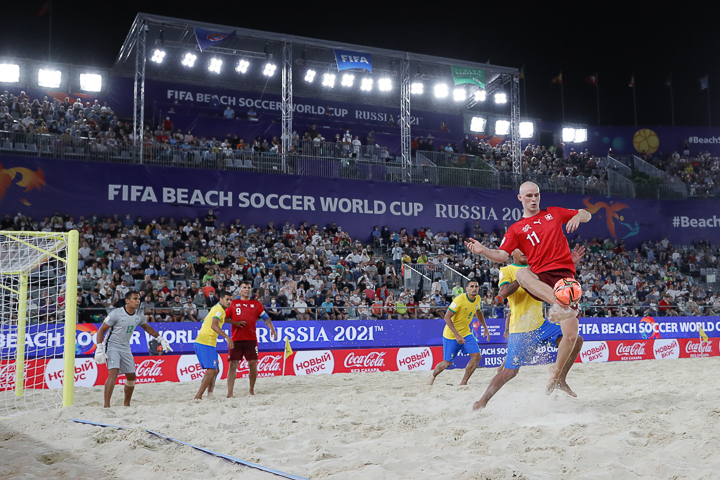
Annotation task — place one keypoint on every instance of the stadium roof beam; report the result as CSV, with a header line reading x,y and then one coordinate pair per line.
x,y
224,51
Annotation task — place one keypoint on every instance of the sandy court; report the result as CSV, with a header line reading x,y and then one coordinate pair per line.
x,y
644,419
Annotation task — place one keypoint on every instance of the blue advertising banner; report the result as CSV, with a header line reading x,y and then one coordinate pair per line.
x,y
347,60
357,206
661,141
47,340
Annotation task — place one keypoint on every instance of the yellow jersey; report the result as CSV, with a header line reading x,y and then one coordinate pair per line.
x,y
526,313
208,336
464,311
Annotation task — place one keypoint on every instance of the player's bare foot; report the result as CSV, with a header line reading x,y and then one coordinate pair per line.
x,y
431,379
553,382
561,385
479,405
230,395
252,391
558,314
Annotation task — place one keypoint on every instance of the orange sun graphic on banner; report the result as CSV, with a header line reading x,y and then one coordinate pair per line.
x,y
27,178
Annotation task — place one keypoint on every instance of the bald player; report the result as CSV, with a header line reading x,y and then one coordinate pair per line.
x,y
538,234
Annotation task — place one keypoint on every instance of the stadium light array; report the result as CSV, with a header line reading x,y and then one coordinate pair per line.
x,y
49,78
459,95
328,80
9,73
416,88
480,95
242,66
188,60
502,127
501,97
385,84
574,135
366,84
158,56
215,65
347,80
90,82
527,130
441,90
478,124
269,69
310,76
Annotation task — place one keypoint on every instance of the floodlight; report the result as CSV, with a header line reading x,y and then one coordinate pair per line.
x,y
501,97
581,135
385,84
441,90
215,65
269,69
9,72
90,82
188,60
49,78
158,56
328,80
478,124
366,84
502,127
459,95
568,134
347,80
480,95
310,76
416,88
527,129
242,66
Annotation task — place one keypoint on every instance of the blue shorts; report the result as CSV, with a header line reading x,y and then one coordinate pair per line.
x,y
522,347
207,356
452,347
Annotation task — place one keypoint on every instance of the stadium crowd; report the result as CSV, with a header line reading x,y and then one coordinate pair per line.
x,y
701,173
308,272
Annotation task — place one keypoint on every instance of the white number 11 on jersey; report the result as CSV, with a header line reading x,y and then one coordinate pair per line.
x,y
534,240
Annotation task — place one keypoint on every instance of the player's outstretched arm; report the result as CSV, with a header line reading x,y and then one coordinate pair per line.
x,y
507,289
497,256
583,216
154,333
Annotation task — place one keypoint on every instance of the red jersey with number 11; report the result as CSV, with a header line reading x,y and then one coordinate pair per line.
x,y
248,311
542,240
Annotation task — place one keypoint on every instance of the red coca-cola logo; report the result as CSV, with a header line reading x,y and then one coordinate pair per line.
x,y
7,376
699,348
149,368
371,360
266,364
636,349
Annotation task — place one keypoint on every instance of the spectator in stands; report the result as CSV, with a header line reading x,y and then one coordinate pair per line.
x,y
229,112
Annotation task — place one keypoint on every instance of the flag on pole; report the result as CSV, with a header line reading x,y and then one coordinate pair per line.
x,y
668,82
45,8
208,38
288,348
703,335
592,79
557,79
704,83
522,72
632,82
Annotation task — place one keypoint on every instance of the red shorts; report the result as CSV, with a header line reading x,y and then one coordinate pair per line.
x,y
244,348
551,277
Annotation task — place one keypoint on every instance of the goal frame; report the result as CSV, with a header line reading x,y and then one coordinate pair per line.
x,y
72,240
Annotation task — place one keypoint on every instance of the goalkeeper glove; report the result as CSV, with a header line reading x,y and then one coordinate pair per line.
x,y
164,343
100,357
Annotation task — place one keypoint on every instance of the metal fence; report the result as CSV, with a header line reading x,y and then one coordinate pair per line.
x,y
617,166
670,187
619,185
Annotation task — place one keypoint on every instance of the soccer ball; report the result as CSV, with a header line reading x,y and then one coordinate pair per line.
x,y
568,291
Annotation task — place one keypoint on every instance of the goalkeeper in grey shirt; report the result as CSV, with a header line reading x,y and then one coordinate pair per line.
x,y
115,349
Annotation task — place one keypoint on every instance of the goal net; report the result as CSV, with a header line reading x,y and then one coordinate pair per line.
x,y
38,308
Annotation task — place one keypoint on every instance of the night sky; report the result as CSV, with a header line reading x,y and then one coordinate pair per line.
x,y
612,39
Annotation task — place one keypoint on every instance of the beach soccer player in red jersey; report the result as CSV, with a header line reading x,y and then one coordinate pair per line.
x,y
540,237
243,315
